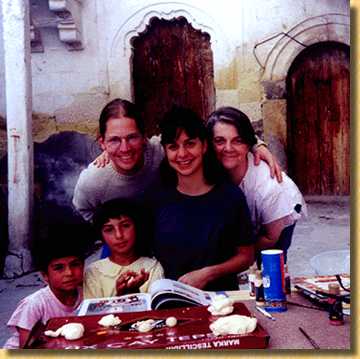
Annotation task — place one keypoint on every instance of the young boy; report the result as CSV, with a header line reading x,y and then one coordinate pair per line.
x,y
61,262
123,226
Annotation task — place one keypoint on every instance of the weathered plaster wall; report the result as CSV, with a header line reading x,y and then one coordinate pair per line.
x,y
2,73
70,87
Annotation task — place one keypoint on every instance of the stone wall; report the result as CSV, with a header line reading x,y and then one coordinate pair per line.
x,y
251,57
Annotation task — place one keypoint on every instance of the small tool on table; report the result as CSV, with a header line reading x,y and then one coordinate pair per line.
x,y
312,341
264,312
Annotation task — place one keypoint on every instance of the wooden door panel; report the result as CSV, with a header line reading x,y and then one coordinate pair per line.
x,y
318,119
172,63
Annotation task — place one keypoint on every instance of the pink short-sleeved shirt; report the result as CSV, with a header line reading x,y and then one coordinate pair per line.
x,y
41,305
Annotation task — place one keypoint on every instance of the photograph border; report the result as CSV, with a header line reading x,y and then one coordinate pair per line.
x,y
355,190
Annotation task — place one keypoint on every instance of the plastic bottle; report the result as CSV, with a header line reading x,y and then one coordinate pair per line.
x,y
336,315
259,288
252,281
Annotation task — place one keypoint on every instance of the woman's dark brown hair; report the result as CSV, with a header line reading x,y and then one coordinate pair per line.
x,y
180,119
235,117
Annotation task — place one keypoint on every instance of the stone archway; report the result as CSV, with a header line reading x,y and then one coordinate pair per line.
x,y
120,51
276,63
328,27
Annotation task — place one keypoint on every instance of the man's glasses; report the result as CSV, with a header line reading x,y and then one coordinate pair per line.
x,y
132,140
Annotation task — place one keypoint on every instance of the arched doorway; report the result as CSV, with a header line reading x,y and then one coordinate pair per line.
x,y
172,63
318,119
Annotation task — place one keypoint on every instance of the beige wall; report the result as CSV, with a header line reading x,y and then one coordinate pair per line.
x,y
70,87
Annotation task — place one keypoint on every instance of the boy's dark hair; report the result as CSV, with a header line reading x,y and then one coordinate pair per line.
x,y
63,239
235,117
180,119
118,207
120,108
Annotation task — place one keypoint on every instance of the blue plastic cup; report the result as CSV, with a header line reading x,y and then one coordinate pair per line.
x,y
274,280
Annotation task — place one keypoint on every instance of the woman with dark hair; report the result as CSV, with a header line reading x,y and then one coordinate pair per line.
x,y
203,233
274,207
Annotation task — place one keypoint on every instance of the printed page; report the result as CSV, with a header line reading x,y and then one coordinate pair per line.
x,y
181,289
127,303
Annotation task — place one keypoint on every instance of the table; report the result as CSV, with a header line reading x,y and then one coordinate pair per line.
x,y
284,332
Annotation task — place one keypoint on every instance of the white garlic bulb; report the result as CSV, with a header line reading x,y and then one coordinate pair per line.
x,y
171,322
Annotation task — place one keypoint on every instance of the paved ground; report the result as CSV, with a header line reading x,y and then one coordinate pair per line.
x,y
327,228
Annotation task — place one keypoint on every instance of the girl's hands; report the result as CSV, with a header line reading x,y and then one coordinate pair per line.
x,y
130,282
102,160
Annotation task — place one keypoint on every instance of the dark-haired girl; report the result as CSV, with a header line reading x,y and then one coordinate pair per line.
x,y
203,234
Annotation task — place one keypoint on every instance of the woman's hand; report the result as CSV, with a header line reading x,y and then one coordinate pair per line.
x,y
197,278
262,153
102,160
130,282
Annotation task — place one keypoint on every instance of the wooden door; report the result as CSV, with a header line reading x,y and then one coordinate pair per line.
x,y
318,88
172,64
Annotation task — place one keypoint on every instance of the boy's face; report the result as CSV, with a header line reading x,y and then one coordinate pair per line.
x,y
119,234
65,274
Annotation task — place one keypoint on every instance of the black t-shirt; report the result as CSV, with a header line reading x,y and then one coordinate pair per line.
x,y
192,232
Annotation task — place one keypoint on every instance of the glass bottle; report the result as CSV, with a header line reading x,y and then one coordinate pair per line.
x,y
259,288
336,315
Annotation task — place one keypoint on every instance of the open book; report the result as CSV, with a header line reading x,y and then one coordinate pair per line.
x,y
163,294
